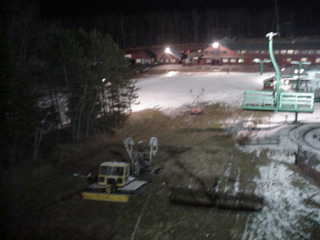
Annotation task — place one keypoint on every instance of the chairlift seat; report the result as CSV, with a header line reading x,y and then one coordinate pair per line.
x,y
258,100
288,101
296,102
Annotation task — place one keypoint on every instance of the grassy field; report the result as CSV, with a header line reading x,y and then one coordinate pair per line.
x,y
194,151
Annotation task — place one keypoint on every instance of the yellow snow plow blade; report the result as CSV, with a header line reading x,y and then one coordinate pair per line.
x,y
105,197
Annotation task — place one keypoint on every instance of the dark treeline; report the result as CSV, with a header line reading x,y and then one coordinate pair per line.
x,y
199,25
57,85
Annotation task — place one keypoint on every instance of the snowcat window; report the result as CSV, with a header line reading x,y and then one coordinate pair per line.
x,y
116,171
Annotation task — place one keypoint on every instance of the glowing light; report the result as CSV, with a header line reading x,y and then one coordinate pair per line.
x,y
167,50
103,79
215,45
171,73
258,60
285,87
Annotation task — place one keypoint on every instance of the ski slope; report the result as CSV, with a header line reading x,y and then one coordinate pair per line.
x,y
286,215
174,89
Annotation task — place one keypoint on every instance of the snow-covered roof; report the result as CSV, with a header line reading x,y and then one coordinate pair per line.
x,y
278,44
114,164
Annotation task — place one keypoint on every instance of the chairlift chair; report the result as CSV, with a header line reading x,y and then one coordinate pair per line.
x,y
277,100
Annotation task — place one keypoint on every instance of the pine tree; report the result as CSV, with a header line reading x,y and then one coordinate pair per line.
x,y
96,79
18,107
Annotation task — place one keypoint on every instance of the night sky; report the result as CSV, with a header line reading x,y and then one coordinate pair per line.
x,y
101,7
147,22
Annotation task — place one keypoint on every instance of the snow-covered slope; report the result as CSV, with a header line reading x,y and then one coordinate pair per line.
x,y
286,215
175,89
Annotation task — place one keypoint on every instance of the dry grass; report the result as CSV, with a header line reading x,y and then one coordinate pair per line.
x,y
193,151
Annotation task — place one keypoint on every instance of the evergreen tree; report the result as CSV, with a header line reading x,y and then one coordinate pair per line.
x,y
96,79
18,107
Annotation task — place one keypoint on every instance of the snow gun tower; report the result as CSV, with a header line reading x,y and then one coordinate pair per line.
x,y
278,100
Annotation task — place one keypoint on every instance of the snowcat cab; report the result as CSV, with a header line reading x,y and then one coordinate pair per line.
x,y
113,174
114,183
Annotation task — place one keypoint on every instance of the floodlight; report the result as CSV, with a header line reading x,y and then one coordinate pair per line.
x,y
167,50
215,45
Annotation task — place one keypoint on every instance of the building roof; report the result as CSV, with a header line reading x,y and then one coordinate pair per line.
x,y
262,44
140,53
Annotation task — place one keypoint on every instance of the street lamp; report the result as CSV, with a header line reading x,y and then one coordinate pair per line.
x,y
216,50
261,63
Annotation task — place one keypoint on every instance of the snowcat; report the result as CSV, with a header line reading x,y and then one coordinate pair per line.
x,y
116,181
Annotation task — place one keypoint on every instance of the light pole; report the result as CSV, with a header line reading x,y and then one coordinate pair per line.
x,y
216,46
261,63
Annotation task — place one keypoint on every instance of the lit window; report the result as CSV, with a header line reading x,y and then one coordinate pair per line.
x,y
128,55
240,60
304,52
304,59
283,51
289,59
311,52
262,52
257,51
233,60
317,60
276,52
296,52
238,51
225,60
138,60
208,61
243,51
290,51
318,51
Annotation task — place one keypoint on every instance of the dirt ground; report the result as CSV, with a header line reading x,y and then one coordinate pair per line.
x,y
194,150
